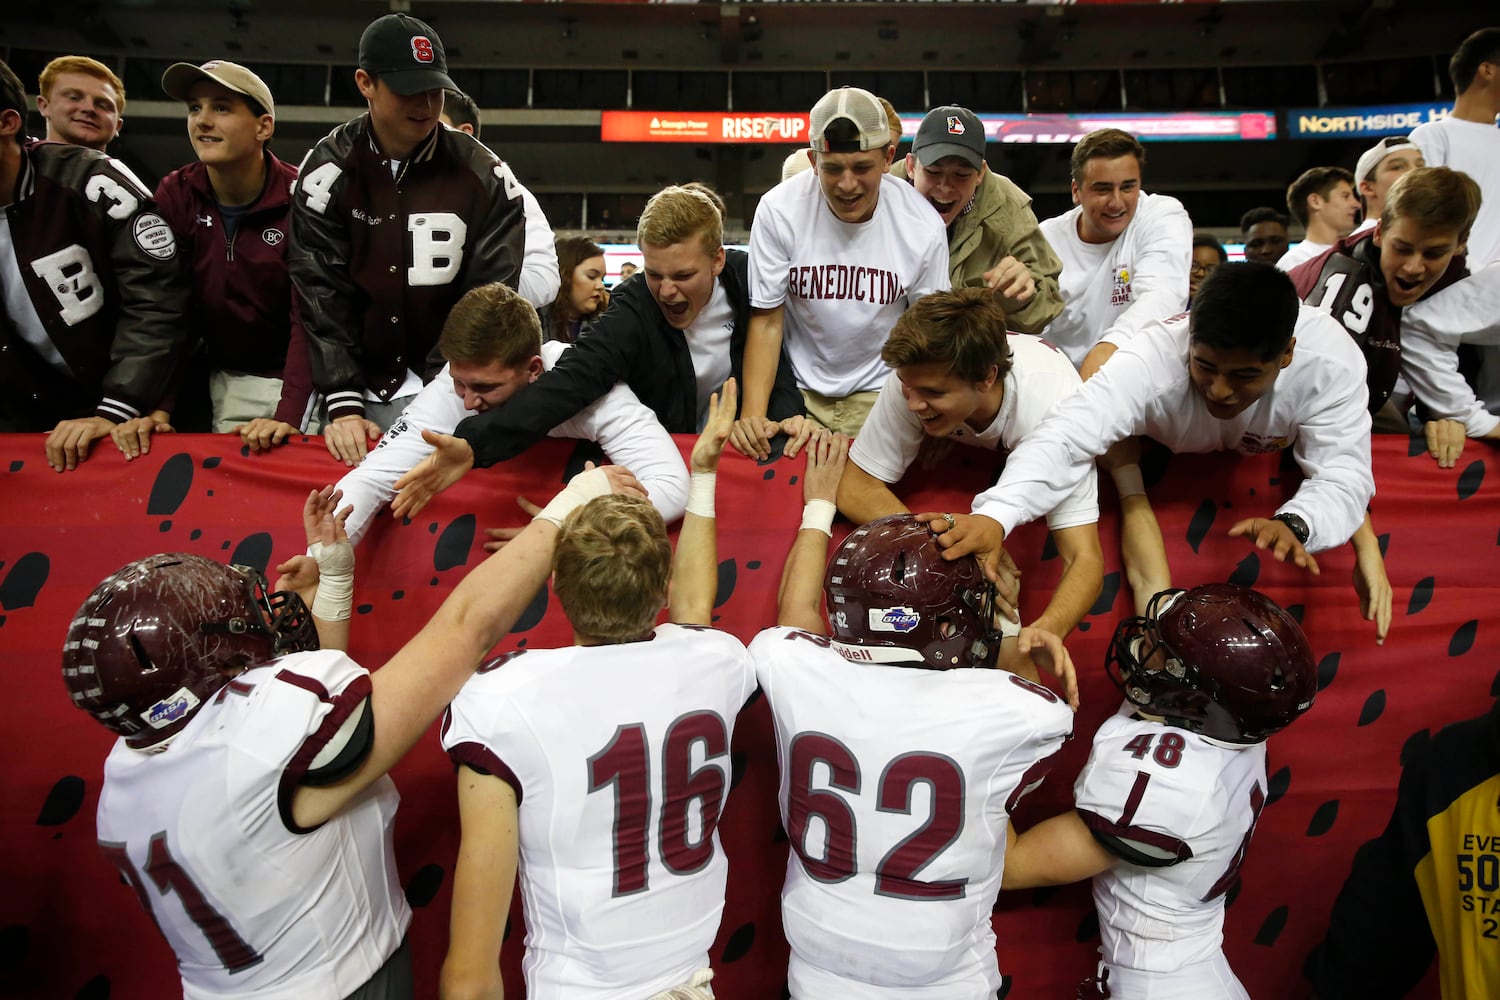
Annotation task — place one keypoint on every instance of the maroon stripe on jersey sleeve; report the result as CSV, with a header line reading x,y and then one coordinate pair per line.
x,y
1108,831
355,693
1033,777
312,687
482,759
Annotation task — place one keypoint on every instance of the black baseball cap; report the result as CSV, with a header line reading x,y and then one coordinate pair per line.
x,y
950,131
406,53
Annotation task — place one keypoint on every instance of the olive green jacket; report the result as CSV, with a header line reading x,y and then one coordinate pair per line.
x,y
1000,224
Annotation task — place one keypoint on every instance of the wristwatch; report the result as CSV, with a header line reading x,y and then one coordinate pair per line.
x,y
1299,527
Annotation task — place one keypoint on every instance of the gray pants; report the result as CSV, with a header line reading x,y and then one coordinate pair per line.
x,y
393,981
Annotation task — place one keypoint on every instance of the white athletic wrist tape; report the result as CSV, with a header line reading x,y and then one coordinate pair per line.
x,y
335,597
1128,481
580,490
701,493
818,515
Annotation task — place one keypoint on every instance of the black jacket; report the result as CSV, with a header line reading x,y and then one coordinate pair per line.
x,y
631,343
373,294
105,278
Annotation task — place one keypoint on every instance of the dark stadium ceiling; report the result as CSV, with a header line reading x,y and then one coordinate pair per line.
x,y
804,34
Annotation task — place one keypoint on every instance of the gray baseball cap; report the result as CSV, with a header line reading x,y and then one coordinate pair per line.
x,y
950,131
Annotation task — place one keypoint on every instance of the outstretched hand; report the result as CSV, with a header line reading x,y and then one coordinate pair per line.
x,y
1048,653
716,430
450,460
1266,533
827,454
500,537
348,438
960,535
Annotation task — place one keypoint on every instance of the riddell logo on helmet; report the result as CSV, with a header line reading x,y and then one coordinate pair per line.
x,y
902,619
171,709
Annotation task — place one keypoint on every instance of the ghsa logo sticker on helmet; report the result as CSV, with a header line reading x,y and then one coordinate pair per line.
x,y
955,125
421,48
899,619
173,708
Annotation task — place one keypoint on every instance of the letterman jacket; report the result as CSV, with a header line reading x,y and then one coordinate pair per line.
x,y
242,304
1345,281
103,276
378,260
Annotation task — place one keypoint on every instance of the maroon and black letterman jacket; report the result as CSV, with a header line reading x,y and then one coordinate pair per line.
x,y
1346,280
242,303
378,261
103,273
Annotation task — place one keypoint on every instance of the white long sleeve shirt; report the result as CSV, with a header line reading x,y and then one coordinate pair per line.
x,y
1317,406
622,425
1466,312
1112,290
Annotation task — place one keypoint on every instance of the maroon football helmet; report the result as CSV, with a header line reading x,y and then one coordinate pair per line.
x,y
158,638
892,598
1221,660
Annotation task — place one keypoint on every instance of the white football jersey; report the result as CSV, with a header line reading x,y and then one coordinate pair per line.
x,y
844,284
619,755
252,904
1186,803
1040,375
896,786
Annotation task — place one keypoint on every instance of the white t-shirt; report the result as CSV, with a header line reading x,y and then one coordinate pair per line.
x,y
1039,376
293,914
622,425
1474,149
1119,287
1168,793
1317,407
875,757
844,284
708,344
619,755
1300,253
1466,312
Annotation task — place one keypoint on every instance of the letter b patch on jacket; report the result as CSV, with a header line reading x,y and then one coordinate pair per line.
x,y
70,274
437,247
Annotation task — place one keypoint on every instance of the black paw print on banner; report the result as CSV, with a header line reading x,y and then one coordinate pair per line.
x,y
1271,927
24,581
1470,479
62,802
739,943
1203,520
454,543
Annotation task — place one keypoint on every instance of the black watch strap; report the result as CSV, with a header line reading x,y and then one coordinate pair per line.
x,y
1299,527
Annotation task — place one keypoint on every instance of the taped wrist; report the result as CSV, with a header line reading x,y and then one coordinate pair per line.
x,y
580,490
335,597
701,488
818,515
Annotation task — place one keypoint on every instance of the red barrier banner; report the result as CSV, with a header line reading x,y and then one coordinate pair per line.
x,y
70,928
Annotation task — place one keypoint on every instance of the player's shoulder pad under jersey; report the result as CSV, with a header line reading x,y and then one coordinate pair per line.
x,y
330,670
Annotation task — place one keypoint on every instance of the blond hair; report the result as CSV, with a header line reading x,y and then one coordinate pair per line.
x,y
675,214
1433,198
892,119
79,64
491,324
610,568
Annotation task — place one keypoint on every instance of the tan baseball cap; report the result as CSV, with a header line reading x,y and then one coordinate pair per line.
x,y
180,77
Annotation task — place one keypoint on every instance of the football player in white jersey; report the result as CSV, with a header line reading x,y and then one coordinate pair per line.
x,y
246,801
492,341
1250,369
1167,803
902,752
957,376
599,771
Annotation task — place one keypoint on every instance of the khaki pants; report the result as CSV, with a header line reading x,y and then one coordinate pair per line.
x,y
842,416
238,399
696,988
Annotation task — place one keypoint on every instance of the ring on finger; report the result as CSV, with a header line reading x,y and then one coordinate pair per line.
x,y
952,523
